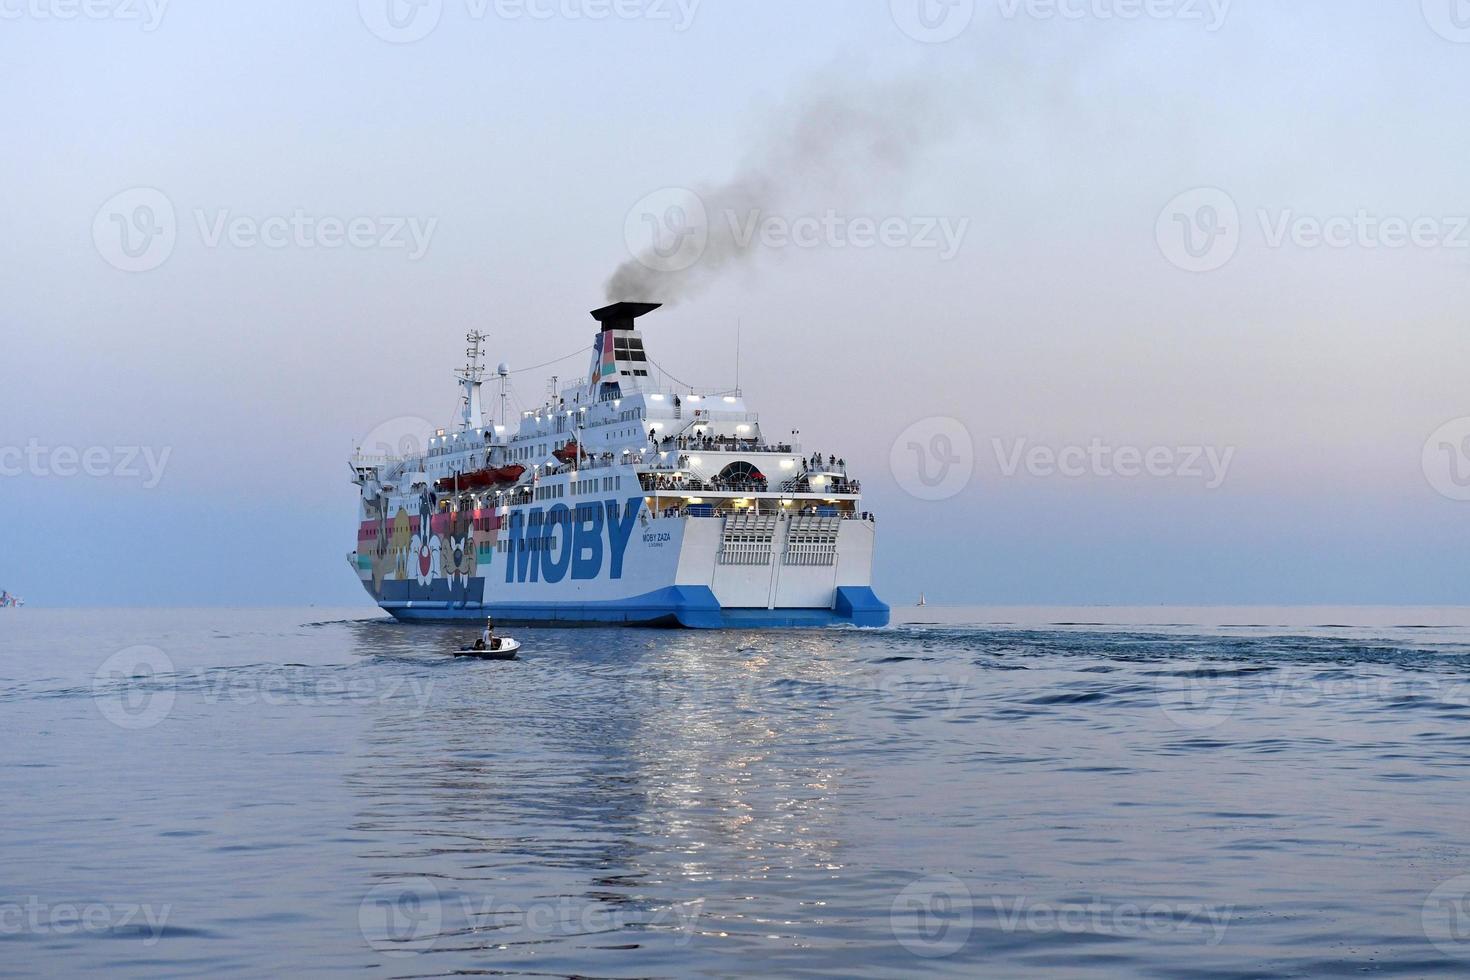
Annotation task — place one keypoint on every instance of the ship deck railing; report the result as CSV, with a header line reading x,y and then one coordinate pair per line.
x,y
375,459
604,460
834,483
719,445
697,511
742,491
655,484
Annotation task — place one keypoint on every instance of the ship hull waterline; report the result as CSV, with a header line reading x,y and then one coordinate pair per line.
x,y
673,608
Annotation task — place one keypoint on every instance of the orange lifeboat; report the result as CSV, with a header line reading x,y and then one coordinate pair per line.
x,y
481,479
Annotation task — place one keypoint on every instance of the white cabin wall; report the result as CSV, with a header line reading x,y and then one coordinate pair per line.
x,y
855,553
701,550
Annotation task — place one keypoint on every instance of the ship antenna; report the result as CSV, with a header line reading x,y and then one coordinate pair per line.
x,y
473,371
471,377
504,373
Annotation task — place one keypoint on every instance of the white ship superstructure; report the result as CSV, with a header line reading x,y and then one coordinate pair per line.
x,y
618,500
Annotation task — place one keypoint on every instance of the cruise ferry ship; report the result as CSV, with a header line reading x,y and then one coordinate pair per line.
x,y
617,501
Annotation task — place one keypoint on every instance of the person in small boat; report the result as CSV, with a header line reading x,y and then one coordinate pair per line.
x,y
487,635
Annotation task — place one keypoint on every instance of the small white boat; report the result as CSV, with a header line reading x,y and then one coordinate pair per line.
x,y
501,648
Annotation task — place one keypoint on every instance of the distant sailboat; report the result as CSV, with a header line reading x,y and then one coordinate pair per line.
x,y
922,601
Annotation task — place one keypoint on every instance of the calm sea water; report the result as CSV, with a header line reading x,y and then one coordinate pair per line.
x,y
1062,793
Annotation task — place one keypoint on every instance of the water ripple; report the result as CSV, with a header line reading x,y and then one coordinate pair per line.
x,y
1074,798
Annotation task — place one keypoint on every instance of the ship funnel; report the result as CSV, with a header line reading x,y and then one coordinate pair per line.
x,y
620,316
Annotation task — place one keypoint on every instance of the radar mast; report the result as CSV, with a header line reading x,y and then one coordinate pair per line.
x,y
471,377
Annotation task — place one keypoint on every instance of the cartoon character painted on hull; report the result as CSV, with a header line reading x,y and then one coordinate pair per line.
x,y
428,555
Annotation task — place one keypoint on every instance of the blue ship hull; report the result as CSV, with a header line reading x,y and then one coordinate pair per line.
x,y
693,607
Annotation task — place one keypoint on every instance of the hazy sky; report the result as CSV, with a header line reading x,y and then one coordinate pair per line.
x,y
1135,196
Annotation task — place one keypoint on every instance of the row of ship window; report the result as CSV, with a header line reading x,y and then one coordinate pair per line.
x,y
606,484
554,491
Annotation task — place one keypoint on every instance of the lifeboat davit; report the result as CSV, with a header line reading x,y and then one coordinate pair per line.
x,y
481,479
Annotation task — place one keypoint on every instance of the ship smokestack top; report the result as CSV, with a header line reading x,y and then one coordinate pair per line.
x,y
620,316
